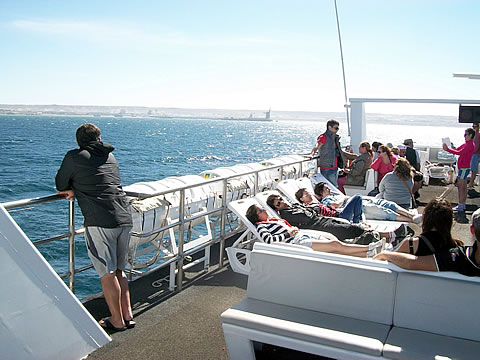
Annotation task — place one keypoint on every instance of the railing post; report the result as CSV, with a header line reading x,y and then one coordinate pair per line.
x,y
223,223
300,170
181,230
71,244
255,186
281,172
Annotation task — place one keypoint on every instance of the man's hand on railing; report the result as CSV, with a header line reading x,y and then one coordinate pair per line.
x,y
69,194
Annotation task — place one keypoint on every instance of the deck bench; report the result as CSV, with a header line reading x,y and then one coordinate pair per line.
x,y
349,308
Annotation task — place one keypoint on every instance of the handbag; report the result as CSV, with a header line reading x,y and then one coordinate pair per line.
x,y
414,202
374,192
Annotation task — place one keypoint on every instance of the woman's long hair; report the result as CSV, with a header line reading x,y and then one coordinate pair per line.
x,y
386,149
438,215
367,146
403,169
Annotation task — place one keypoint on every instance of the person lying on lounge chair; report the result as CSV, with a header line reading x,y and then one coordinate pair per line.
x,y
373,208
306,218
273,230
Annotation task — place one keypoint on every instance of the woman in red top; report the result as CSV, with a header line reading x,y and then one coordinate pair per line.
x,y
384,163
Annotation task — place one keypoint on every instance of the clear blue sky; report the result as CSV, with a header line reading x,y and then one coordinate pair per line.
x,y
236,54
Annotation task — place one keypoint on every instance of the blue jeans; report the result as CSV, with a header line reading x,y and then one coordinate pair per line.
x,y
353,209
331,175
379,209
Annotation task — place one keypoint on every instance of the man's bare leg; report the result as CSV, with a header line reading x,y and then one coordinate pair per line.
x,y
112,293
124,295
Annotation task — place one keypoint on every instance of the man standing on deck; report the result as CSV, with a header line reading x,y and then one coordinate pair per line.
x,y
411,154
472,193
414,159
91,174
462,259
331,156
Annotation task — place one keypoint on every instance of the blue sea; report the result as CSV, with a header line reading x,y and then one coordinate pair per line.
x,y
32,148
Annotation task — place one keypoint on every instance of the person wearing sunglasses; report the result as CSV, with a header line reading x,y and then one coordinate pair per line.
x,y
465,153
307,218
272,230
331,157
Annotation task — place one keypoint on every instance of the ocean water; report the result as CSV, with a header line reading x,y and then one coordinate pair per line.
x,y
32,148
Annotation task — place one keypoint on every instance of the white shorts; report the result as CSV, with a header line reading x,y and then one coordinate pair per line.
x,y
107,248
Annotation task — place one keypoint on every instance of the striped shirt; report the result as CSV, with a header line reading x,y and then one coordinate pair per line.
x,y
274,230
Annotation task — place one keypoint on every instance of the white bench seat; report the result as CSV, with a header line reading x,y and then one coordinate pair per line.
x,y
408,344
317,328
343,307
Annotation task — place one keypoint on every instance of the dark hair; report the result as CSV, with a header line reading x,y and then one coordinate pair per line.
x,y
332,122
251,214
86,134
403,169
318,189
299,194
271,201
376,144
471,132
438,215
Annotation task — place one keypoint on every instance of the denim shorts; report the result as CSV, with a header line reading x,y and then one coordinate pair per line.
x,y
303,239
463,174
474,163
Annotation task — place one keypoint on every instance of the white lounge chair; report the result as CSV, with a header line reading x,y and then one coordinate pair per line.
x,y
251,235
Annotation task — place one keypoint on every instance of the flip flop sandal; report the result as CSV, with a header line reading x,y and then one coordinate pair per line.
x,y
107,325
130,324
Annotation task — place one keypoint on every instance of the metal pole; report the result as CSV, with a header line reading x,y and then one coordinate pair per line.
x,y
223,223
343,67
71,244
255,189
181,230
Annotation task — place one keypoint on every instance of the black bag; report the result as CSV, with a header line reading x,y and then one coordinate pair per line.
x,y
374,192
418,176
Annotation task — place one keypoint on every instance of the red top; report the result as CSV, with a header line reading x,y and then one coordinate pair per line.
x,y
382,168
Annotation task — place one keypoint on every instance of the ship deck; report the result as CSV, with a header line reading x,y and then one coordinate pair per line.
x,y
186,324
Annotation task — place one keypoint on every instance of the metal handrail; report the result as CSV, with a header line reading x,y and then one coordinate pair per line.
x,y
182,220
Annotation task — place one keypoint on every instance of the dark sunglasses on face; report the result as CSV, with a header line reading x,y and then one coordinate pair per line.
x,y
261,211
335,127
277,203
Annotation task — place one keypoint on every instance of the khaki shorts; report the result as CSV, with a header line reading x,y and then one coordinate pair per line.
x,y
107,248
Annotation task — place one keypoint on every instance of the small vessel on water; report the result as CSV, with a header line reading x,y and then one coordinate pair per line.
x,y
251,117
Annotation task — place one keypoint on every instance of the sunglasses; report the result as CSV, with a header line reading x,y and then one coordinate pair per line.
x,y
278,202
335,127
261,211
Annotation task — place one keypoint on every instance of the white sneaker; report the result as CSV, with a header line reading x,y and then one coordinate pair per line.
x,y
376,247
417,219
459,208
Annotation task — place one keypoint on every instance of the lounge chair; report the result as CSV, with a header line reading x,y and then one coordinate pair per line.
x,y
289,187
239,253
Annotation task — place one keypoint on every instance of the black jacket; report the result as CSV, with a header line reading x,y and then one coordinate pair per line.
x,y
92,173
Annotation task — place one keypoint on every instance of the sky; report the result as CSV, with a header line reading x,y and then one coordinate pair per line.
x,y
250,54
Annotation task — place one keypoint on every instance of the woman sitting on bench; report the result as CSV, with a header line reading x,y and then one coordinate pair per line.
x,y
278,230
436,233
355,173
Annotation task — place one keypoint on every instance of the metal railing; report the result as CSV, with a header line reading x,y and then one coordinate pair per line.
x,y
179,258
